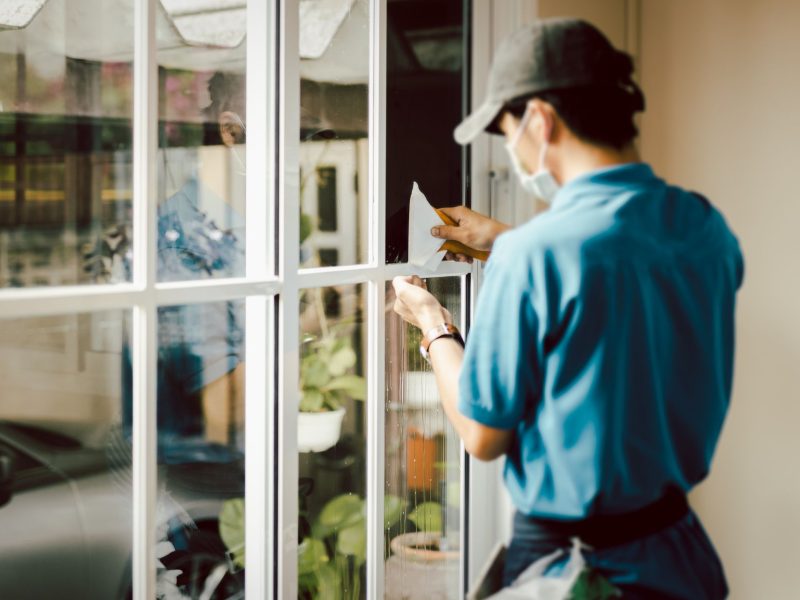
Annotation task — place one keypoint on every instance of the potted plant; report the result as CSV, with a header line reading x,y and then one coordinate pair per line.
x,y
326,381
330,559
331,553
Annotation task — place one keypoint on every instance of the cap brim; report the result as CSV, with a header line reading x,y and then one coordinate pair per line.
x,y
477,122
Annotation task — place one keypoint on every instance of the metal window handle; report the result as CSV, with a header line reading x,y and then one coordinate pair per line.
x,y
498,185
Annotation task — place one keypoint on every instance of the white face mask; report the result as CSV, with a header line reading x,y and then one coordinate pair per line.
x,y
541,184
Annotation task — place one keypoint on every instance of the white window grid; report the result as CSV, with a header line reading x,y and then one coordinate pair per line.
x,y
271,287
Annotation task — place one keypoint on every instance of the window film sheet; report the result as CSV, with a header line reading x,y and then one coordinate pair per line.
x,y
422,491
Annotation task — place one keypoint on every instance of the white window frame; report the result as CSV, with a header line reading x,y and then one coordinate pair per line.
x,y
272,287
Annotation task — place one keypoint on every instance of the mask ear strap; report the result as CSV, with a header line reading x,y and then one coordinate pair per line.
x,y
548,130
523,125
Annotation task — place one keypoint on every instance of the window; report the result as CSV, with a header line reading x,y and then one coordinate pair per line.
x,y
202,206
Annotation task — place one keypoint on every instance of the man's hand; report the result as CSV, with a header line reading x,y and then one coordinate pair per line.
x,y
416,305
471,228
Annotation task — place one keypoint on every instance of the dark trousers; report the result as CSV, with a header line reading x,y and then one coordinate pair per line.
x,y
677,562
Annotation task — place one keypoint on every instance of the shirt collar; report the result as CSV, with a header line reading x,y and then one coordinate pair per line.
x,y
625,175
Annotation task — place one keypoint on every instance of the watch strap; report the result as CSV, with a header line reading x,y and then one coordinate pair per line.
x,y
433,334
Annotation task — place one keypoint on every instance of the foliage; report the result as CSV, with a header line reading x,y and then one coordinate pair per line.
x,y
591,585
427,517
231,529
330,560
325,380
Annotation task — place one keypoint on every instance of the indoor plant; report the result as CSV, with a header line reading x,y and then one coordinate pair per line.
x,y
326,381
331,555
330,559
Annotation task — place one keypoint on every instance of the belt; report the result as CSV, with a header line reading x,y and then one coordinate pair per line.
x,y
602,531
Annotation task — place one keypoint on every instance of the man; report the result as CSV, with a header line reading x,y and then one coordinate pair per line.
x,y
600,357
200,345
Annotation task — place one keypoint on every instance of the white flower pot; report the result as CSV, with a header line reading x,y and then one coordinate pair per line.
x,y
318,431
414,573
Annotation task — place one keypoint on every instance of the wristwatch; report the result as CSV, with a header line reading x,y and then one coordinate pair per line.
x,y
440,331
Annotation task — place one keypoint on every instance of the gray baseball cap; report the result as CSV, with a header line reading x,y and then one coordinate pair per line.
x,y
546,55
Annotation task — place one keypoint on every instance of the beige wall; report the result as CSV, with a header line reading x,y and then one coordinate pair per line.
x,y
723,90
610,16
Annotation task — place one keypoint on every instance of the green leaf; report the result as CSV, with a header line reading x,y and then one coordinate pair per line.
x,y
231,528
427,517
311,401
352,541
311,555
314,372
329,583
591,585
392,510
342,359
342,511
333,400
352,385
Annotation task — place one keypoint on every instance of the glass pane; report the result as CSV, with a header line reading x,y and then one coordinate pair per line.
x,y
200,499
332,445
423,466
426,69
201,159
65,143
334,80
65,458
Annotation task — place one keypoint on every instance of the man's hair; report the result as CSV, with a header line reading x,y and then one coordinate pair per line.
x,y
600,115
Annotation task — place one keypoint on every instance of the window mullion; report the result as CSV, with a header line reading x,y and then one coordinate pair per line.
x,y
259,312
479,533
145,120
288,340
376,319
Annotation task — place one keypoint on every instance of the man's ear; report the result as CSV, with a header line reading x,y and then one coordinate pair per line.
x,y
507,123
543,118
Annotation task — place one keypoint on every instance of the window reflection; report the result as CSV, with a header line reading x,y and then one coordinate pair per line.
x,y
425,78
423,465
65,479
65,161
201,215
200,415
66,130
334,71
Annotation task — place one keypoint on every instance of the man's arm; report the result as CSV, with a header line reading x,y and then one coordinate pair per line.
x,y
480,441
419,308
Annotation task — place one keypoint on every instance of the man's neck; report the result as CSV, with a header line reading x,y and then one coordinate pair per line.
x,y
577,158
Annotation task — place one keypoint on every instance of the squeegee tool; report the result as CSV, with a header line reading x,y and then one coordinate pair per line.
x,y
424,250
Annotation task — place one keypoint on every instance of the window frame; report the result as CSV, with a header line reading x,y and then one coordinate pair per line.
x,y
272,287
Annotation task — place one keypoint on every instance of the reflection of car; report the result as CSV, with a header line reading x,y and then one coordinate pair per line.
x,y
66,519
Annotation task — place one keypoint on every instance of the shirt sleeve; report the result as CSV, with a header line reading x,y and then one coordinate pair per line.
x,y
500,376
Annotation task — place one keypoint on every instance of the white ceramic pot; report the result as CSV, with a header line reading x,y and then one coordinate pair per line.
x,y
318,431
418,570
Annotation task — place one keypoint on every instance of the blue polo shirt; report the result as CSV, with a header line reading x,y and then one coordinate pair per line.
x,y
604,337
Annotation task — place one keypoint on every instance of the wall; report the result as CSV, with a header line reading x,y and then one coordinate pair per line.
x,y
610,16
723,87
